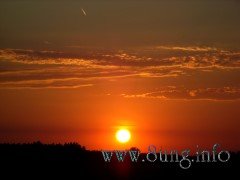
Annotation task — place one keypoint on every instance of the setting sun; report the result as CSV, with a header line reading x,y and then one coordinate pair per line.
x,y
123,135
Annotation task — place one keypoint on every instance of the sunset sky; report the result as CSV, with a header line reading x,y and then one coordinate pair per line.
x,y
167,70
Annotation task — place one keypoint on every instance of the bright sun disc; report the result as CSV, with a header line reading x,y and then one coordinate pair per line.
x,y
123,135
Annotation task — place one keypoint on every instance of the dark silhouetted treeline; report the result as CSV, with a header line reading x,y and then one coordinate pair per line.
x,y
73,161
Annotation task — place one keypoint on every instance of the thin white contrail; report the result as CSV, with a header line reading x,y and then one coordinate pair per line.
x,y
84,13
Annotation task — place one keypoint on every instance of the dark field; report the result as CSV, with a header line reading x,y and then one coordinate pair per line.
x,y
72,161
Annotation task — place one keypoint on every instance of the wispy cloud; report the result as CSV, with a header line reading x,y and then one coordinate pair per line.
x,y
17,66
45,84
188,48
181,93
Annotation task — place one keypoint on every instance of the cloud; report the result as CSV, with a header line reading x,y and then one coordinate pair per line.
x,y
45,84
181,93
21,65
189,48
193,93
184,57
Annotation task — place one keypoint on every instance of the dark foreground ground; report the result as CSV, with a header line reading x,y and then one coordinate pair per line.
x,y
72,161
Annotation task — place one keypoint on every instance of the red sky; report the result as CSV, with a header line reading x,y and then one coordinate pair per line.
x,y
167,70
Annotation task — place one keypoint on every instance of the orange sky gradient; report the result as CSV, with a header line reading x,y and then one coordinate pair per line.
x,y
168,71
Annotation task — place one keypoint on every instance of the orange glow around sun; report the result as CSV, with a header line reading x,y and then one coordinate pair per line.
x,y
123,135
